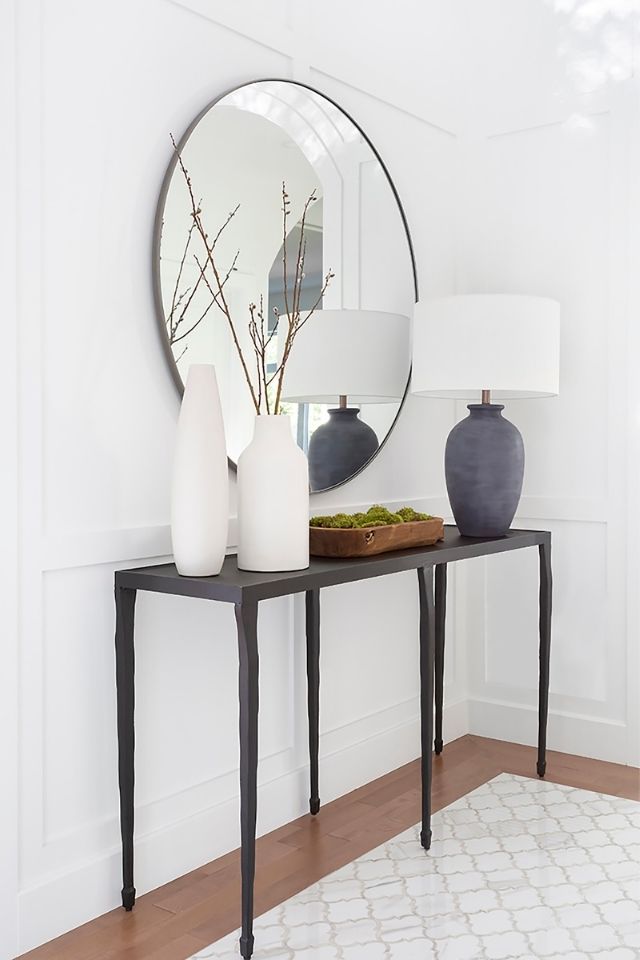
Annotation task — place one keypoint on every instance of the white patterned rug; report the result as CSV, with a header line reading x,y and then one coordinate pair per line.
x,y
518,869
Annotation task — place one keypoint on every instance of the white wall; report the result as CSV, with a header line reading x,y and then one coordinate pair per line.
x,y
8,501
442,90
99,88
550,193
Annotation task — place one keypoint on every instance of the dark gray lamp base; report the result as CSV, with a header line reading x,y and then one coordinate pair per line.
x,y
484,469
339,448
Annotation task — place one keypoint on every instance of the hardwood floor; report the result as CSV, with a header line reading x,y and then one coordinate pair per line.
x,y
182,917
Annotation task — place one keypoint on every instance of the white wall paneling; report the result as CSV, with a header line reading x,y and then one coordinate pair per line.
x,y
96,425
9,494
554,217
632,407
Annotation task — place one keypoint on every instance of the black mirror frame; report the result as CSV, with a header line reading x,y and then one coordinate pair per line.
x,y
157,239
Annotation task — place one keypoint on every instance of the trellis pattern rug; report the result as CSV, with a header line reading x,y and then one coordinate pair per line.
x,y
518,869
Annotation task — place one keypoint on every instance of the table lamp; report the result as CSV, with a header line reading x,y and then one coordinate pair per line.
x,y
347,357
482,347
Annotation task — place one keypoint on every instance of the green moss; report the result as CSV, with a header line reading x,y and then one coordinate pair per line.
x,y
408,514
338,520
376,516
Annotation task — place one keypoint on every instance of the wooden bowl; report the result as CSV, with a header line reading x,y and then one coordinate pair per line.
x,y
367,541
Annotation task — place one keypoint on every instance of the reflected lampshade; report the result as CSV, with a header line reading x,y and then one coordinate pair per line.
x,y
346,356
361,354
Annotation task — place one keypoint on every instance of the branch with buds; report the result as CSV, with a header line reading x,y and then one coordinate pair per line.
x,y
264,386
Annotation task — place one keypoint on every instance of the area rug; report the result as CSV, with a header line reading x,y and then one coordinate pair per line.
x,y
518,869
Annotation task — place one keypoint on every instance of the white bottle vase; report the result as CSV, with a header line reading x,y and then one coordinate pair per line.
x,y
200,493
273,499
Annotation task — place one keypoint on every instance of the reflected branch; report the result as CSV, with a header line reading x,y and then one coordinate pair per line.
x,y
216,279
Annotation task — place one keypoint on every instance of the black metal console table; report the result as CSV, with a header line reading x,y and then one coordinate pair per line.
x,y
245,590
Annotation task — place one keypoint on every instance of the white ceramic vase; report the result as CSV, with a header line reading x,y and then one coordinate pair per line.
x,y
200,493
273,499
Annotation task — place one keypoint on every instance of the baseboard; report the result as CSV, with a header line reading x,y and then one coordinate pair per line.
x,y
455,719
594,737
66,901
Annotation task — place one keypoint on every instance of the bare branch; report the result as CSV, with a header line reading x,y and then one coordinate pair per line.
x,y
327,280
196,324
285,214
220,300
189,293
224,225
175,299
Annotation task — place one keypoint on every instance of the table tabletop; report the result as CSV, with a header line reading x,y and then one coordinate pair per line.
x,y
239,586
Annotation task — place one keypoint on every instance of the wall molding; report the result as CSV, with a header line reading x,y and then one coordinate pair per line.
x,y
9,490
567,732
287,41
194,799
576,509
347,77
30,256
65,551
632,431
594,107
232,16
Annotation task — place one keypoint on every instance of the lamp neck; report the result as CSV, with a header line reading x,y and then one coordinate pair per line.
x,y
343,402
486,396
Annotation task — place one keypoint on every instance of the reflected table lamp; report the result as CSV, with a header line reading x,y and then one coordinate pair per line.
x,y
485,347
346,357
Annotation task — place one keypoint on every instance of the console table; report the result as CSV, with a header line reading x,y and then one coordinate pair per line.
x,y
245,590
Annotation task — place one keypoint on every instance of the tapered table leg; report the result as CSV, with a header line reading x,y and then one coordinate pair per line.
x,y
441,615
545,652
427,645
125,686
313,690
247,624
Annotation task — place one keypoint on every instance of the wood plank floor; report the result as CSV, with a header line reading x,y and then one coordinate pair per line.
x,y
182,917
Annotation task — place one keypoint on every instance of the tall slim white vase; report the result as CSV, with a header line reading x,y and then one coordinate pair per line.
x,y
200,493
273,499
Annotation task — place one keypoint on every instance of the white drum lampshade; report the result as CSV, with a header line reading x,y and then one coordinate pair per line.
x,y
500,342
361,354
346,357
486,346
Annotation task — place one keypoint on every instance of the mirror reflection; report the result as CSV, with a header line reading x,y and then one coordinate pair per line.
x,y
347,371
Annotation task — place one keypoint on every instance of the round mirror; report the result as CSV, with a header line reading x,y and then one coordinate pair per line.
x,y
276,206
